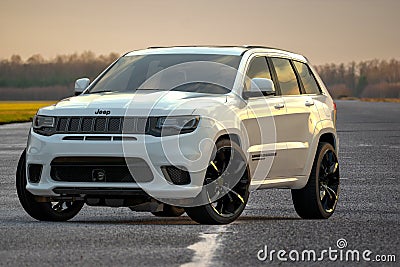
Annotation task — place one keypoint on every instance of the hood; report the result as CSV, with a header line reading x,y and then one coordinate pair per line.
x,y
141,103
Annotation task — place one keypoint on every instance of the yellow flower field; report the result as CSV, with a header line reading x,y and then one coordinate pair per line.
x,y
20,111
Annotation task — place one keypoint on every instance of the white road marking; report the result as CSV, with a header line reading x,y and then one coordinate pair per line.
x,y
204,249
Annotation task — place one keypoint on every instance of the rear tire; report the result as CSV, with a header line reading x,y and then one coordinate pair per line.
x,y
43,211
318,199
234,180
169,211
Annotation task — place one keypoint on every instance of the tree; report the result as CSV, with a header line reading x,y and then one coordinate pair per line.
x,y
361,84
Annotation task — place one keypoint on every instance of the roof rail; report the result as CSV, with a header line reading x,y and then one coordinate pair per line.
x,y
266,47
238,46
151,47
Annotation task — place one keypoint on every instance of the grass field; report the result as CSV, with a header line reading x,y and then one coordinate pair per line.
x,y
393,100
20,111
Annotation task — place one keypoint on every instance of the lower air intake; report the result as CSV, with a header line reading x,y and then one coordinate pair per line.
x,y
34,172
176,175
100,169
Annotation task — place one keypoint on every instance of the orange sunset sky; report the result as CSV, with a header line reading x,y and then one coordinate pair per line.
x,y
324,31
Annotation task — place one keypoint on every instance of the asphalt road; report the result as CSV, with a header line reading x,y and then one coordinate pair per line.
x,y
367,216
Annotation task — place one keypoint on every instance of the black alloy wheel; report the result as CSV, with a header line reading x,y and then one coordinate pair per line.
x,y
226,186
319,197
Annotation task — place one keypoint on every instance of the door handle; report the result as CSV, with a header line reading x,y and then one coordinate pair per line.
x,y
309,103
278,106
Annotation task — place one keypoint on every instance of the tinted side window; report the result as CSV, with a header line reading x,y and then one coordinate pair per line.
x,y
286,76
258,68
307,78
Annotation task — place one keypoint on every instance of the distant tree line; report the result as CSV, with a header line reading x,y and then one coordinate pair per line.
x,y
61,70
372,78
39,78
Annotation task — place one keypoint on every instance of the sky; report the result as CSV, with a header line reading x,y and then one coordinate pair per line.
x,y
324,31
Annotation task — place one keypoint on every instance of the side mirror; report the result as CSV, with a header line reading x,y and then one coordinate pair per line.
x,y
80,85
260,87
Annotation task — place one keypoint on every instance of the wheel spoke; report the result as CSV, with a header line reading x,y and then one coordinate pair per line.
x,y
324,168
230,191
220,206
331,192
214,166
333,168
324,199
322,193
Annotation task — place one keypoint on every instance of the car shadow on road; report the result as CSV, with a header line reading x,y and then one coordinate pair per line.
x,y
184,220
266,218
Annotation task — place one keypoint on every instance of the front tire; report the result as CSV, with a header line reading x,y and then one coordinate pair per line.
x,y
226,186
318,199
43,211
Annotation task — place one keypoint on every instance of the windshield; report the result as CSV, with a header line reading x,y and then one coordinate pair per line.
x,y
203,73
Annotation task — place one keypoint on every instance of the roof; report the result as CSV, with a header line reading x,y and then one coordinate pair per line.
x,y
212,49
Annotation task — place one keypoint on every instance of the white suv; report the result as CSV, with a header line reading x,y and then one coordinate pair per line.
x,y
185,129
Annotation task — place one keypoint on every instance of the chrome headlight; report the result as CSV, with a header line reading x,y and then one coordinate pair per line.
x,y
43,125
173,125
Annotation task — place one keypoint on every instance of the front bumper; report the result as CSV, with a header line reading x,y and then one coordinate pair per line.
x,y
190,151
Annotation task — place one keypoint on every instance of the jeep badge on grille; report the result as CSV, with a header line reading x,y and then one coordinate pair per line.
x,y
105,112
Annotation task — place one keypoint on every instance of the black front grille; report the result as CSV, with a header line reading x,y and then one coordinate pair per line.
x,y
101,125
74,124
86,124
114,124
100,169
62,124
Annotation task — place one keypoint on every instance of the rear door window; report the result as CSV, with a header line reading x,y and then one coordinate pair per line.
x,y
286,76
307,78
